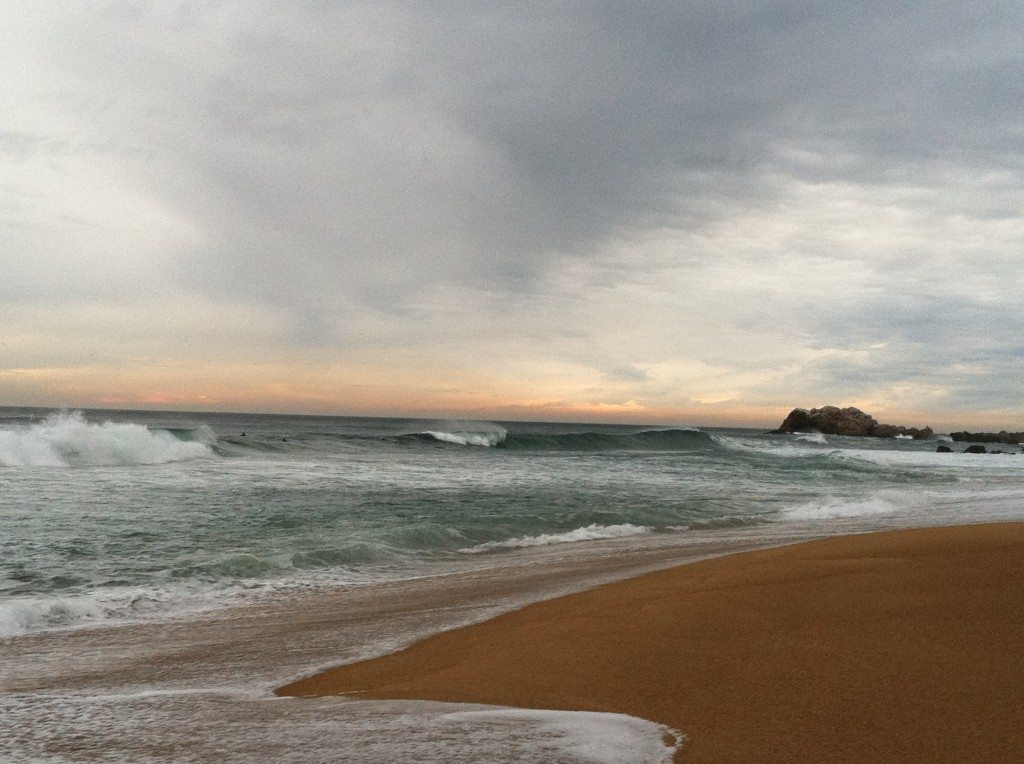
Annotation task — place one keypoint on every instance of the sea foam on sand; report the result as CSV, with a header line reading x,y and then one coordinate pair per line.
x,y
587,736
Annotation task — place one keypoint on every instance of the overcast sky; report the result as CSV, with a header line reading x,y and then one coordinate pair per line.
x,y
690,212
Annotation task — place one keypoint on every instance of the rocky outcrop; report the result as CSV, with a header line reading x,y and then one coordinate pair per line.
x,y
829,420
1011,438
832,420
975,449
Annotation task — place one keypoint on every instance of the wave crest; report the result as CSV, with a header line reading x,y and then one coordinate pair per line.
x,y
812,437
645,440
461,433
835,509
66,439
21,616
592,532
487,439
495,436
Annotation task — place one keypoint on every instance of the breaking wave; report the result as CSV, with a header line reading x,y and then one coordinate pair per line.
x,y
834,509
649,440
67,439
652,440
812,437
591,532
474,435
486,438
21,616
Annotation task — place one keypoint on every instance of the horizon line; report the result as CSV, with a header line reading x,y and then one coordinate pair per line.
x,y
448,416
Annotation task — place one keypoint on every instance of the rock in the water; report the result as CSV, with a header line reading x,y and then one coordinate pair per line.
x,y
1010,438
975,450
832,420
943,450
885,431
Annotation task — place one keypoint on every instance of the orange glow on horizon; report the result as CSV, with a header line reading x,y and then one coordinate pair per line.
x,y
357,392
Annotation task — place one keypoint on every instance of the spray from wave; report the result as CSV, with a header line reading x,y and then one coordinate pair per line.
x,y
487,437
68,440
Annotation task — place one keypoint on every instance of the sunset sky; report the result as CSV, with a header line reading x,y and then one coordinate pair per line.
x,y
689,212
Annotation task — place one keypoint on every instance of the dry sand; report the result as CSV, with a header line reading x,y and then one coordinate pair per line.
x,y
906,645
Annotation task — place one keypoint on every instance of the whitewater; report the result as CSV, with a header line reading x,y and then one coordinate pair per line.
x,y
126,535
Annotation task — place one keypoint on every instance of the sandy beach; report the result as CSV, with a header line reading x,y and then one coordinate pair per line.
x,y
904,645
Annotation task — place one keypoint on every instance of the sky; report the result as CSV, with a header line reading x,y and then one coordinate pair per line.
x,y
689,212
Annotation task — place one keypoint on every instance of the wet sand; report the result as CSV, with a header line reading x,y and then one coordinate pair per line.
x,y
904,645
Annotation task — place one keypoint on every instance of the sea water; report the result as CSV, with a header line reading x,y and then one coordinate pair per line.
x,y
144,528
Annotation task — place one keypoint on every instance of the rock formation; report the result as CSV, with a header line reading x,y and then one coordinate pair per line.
x,y
1003,436
832,420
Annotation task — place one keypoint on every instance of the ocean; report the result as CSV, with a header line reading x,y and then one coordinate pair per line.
x,y
161,571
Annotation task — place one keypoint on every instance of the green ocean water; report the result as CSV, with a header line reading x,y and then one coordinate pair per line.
x,y
112,515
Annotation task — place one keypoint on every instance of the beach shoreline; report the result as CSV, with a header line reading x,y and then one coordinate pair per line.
x,y
212,694
894,645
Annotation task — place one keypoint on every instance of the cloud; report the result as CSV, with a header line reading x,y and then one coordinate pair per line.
x,y
668,202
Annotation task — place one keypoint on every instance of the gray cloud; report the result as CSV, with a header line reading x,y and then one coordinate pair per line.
x,y
367,169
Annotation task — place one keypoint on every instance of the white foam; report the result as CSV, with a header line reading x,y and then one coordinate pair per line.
x,y
24,615
120,605
67,439
116,605
794,446
832,509
591,532
588,736
207,720
976,464
467,433
812,437
489,438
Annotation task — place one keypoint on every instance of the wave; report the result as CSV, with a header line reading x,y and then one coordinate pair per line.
x,y
190,590
812,437
487,438
200,434
21,616
834,509
470,434
593,532
67,439
651,440
644,440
